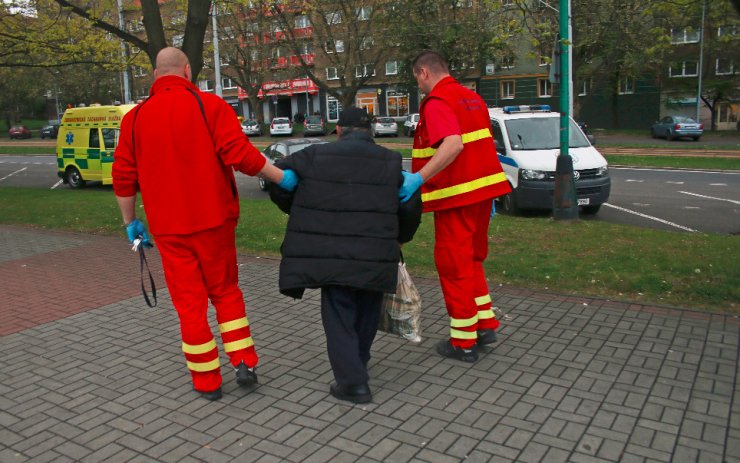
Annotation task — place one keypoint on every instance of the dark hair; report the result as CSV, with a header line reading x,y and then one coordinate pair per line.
x,y
431,60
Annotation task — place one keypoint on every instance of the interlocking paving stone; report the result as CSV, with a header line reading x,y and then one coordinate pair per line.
x,y
102,378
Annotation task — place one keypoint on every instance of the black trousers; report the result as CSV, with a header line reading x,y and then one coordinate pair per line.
x,y
350,318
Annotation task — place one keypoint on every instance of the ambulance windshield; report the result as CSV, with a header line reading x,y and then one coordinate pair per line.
x,y
541,133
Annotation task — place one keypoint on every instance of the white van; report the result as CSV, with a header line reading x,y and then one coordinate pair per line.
x,y
528,143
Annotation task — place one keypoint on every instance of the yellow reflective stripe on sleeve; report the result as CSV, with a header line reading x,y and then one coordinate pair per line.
x,y
469,137
463,322
475,136
463,334
204,366
240,344
483,299
233,325
485,314
464,187
200,348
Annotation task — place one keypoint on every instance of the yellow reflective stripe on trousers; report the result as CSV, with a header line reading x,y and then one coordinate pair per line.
x,y
200,348
483,299
469,137
204,366
233,325
464,187
463,322
485,314
240,344
463,334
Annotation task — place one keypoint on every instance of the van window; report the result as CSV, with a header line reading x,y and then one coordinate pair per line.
x,y
498,137
94,139
541,133
110,138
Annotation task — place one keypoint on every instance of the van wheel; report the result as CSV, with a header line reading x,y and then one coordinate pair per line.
x,y
263,183
73,177
508,204
590,210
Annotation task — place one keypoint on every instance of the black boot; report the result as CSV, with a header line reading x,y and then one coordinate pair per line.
x,y
355,393
245,376
445,349
211,395
486,337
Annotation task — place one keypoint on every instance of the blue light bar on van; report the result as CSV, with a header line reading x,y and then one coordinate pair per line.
x,y
527,109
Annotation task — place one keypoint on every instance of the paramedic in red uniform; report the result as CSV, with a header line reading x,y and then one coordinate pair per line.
x,y
180,148
455,163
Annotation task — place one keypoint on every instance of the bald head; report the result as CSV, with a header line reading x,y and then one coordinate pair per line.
x,y
172,61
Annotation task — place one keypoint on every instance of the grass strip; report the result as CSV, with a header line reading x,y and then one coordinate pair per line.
x,y
588,258
675,162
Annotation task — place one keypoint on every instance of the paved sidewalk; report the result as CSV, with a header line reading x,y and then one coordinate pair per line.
x,y
89,373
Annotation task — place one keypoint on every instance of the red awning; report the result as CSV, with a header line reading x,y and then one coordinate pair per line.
x,y
284,87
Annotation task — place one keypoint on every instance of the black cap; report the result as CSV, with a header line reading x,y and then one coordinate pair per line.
x,y
354,117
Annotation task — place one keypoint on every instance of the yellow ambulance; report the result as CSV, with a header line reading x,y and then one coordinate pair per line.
x,y
86,141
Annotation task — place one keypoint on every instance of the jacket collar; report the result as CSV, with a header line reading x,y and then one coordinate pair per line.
x,y
166,83
363,135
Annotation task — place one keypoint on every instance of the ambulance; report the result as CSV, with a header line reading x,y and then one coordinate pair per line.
x,y
87,138
528,144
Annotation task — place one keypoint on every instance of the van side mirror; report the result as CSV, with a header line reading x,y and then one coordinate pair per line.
x,y
591,139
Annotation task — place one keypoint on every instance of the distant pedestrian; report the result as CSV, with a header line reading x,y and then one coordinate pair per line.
x,y
343,236
455,164
179,134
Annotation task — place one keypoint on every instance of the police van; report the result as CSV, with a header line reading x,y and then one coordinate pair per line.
x,y
528,144
87,138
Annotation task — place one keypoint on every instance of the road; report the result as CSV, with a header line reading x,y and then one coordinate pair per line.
x,y
664,199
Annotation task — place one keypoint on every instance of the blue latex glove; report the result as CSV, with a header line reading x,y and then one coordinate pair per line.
x,y
136,229
289,181
411,183
493,208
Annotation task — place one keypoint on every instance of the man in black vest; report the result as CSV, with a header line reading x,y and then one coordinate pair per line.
x,y
343,236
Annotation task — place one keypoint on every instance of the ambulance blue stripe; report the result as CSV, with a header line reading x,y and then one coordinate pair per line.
x,y
507,160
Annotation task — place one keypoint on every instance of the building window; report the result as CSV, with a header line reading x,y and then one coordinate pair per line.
x,y
507,62
302,22
139,71
363,13
543,61
227,83
507,2
683,69
364,70
544,88
726,31
205,85
306,48
507,89
224,60
135,50
331,74
339,46
626,86
391,68
490,69
685,35
177,41
334,107
464,3
334,17
726,112
398,104
583,87
366,43
724,67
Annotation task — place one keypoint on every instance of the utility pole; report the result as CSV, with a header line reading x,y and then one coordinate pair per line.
x,y
565,202
216,57
124,73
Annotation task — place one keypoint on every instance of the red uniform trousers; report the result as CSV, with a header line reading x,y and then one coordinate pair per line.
x,y
199,267
461,246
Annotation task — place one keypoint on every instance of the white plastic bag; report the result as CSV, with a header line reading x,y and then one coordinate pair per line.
x,y
401,312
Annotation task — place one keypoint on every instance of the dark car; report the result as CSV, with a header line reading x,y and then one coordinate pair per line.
x,y
19,131
314,126
49,131
284,148
676,127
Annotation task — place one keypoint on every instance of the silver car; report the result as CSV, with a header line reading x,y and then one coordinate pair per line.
x,y
675,127
384,126
280,149
251,127
281,126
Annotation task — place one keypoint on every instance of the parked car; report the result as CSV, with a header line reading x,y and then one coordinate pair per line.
x,y
384,126
19,131
49,131
251,127
676,127
409,125
280,149
281,126
314,126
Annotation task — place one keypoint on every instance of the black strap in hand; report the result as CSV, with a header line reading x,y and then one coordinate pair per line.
x,y
142,259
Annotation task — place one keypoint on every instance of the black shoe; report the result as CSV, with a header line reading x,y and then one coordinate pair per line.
x,y
245,376
486,337
445,349
212,395
355,393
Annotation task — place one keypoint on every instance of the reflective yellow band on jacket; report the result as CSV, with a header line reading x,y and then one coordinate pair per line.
x,y
485,314
483,299
469,137
240,344
204,366
463,322
464,187
463,334
200,348
233,325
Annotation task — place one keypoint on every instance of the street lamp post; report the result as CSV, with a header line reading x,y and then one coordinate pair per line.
x,y
216,57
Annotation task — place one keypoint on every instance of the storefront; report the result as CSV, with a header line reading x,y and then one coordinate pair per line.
x,y
287,98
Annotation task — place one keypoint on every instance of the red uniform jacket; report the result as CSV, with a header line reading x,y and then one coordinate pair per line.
x,y
476,174
182,163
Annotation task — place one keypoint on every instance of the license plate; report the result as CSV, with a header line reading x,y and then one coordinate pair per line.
x,y
584,201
